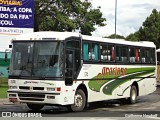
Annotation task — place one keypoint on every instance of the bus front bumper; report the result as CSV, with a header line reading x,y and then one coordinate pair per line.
x,y
38,98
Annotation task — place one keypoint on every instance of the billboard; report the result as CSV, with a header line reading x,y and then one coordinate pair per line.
x,y
16,16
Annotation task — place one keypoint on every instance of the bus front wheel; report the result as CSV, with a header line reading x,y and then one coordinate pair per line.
x,y
79,101
133,95
35,106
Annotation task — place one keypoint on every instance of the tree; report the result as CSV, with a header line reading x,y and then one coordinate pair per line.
x,y
133,37
67,15
150,30
117,36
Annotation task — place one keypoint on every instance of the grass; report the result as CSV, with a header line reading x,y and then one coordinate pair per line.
x,y
3,87
3,91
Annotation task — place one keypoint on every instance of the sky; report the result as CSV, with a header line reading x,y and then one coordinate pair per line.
x,y
130,15
5,41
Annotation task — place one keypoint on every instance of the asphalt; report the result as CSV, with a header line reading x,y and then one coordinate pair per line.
x,y
158,84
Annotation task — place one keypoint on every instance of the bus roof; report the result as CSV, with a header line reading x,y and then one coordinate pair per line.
x,y
46,34
120,41
51,35
158,50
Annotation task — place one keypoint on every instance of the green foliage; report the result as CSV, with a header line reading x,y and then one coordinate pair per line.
x,y
117,36
133,37
67,15
149,31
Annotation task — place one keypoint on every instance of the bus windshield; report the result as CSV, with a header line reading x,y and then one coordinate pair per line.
x,y
37,59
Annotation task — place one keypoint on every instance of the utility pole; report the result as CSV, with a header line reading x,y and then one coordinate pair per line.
x,y
115,17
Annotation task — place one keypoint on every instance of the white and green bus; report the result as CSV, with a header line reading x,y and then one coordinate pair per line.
x,y
65,68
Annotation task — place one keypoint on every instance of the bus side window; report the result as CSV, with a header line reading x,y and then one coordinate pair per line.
x,y
124,54
152,55
132,55
137,57
118,53
90,51
103,52
143,55
111,53
85,51
91,54
107,52
146,55
93,51
158,57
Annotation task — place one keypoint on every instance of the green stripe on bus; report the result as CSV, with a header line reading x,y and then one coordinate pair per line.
x,y
109,88
96,85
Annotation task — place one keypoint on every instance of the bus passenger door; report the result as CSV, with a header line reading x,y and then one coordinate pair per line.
x,y
69,67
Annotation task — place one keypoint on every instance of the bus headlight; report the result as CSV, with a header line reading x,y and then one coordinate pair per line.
x,y
58,89
12,95
50,89
13,87
12,81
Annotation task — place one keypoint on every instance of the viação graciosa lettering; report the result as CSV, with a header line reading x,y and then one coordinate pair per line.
x,y
109,71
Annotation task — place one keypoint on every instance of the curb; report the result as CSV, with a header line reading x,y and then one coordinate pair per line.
x,y
6,104
5,101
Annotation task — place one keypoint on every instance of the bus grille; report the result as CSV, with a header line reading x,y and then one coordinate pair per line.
x,y
31,96
24,87
27,88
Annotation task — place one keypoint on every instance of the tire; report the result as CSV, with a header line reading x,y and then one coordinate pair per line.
x,y
133,95
35,107
79,101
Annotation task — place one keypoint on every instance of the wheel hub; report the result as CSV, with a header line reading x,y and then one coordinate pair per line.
x,y
134,95
78,100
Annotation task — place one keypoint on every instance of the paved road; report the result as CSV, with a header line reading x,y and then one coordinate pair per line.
x,y
146,106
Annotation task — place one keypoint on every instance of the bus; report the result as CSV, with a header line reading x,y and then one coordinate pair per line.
x,y
72,70
158,65
4,65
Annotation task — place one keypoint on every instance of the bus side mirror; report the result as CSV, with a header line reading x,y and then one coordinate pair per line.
x,y
10,46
